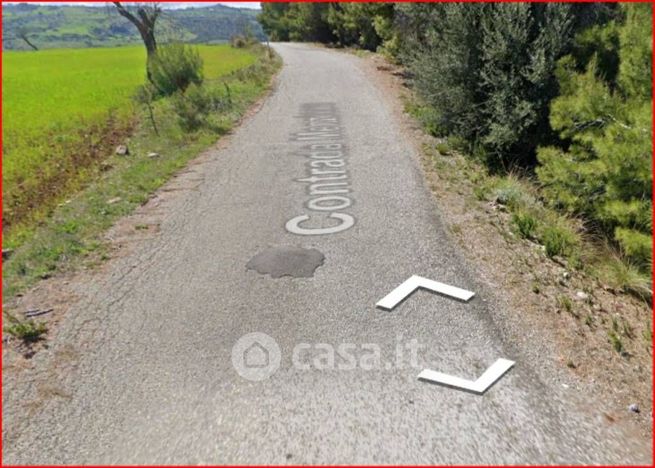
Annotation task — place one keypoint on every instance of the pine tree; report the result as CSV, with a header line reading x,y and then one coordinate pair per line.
x,y
274,20
605,172
367,25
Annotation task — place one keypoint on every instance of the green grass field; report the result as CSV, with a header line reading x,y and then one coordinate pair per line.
x,y
65,230
57,104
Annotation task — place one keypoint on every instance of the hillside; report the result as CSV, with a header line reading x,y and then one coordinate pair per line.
x,y
55,26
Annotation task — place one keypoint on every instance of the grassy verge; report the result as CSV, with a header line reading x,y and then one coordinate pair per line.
x,y
553,274
63,113
72,235
562,238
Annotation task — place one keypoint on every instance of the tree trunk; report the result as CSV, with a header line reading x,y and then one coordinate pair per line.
x,y
144,21
29,43
22,33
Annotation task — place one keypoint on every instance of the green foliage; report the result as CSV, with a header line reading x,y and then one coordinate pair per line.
x,y
511,191
636,245
601,41
623,275
559,239
26,330
564,302
366,25
76,26
352,24
73,235
192,108
446,67
525,224
275,21
605,172
443,148
240,41
296,21
64,111
615,341
175,67
488,71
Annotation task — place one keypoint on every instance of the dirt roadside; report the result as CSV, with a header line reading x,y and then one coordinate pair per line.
x,y
556,314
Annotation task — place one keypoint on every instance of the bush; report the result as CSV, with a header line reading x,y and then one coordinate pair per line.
x,y
507,195
238,42
525,224
175,67
192,108
621,274
511,191
636,245
26,330
443,148
559,240
488,70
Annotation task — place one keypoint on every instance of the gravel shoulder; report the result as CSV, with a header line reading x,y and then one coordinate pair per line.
x,y
573,343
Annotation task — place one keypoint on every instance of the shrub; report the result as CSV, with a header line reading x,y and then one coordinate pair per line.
x,y
621,274
238,42
603,170
192,108
636,245
443,148
507,195
488,70
481,192
145,96
175,67
512,191
525,224
26,330
559,239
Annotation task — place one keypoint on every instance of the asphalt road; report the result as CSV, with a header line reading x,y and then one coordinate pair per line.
x,y
154,381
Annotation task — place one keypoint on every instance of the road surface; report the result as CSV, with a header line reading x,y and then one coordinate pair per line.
x,y
319,183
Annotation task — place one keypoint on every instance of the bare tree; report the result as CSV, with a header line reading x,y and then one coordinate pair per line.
x,y
22,34
144,18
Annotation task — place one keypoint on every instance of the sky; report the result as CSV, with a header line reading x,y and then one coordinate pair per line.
x,y
165,4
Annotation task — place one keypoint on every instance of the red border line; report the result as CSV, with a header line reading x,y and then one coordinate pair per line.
x,y
356,1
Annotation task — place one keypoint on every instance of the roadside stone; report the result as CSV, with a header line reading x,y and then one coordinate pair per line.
x,y
6,253
581,296
113,200
122,150
153,155
566,275
633,408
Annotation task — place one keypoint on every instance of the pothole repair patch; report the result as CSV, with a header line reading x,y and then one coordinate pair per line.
x,y
287,261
